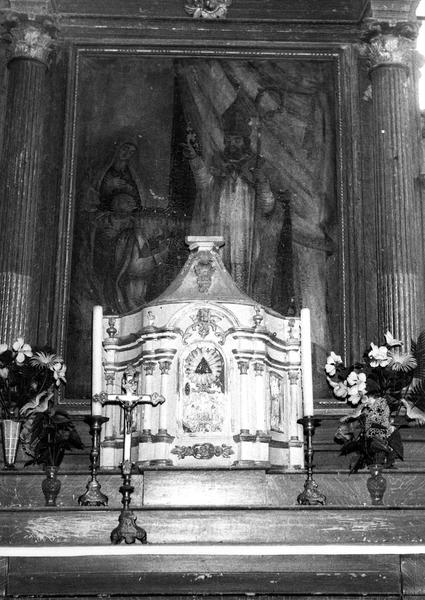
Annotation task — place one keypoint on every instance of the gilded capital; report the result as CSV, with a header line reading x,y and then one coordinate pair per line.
x,y
30,39
390,44
149,367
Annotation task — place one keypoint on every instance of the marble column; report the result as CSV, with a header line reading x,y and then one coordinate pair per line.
x,y
21,164
389,50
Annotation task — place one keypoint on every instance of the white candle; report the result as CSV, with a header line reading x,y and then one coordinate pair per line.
x,y
306,370
127,444
97,350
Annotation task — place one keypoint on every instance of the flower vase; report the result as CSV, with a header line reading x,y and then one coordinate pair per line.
x,y
10,438
51,485
376,484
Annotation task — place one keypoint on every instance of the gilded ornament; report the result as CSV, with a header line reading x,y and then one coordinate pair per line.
x,y
203,451
204,270
204,322
208,9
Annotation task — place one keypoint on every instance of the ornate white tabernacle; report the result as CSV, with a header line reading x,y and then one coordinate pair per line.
x,y
229,369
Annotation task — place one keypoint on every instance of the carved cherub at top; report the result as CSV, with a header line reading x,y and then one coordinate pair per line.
x,y
208,9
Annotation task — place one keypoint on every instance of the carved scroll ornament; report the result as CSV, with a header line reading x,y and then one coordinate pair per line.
x,y
203,451
208,9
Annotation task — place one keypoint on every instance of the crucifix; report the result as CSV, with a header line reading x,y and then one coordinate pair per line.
x,y
127,529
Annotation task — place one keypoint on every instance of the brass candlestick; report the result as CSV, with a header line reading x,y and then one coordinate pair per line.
x,y
93,496
311,494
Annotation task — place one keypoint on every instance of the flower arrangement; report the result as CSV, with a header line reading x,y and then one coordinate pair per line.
x,y
386,387
27,376
28,379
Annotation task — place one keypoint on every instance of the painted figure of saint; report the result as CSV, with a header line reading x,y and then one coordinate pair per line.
x,y
232,196
127,242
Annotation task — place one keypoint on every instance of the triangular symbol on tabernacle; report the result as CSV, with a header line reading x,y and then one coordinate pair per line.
x,y
203,367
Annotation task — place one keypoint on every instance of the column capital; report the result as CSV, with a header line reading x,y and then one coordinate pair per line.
x,y
30,38
259,368
389,44
294,377
149,367
164,366
243,366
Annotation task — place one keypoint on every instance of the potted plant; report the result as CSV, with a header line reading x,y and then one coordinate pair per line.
x,y
47,434
26,376
386,389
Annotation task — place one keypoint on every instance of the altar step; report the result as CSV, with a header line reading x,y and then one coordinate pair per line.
x,y
300,525
211,571
216,488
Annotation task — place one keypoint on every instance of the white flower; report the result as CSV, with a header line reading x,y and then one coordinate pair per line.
x,y
59,370
44,360
391,341
413,412
3,348
22,350
331,363
403,361
357,379
339,388
368,401
379,356
357,386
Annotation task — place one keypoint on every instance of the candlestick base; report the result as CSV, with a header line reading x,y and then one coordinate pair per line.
x,y
127,529
93,496
311,494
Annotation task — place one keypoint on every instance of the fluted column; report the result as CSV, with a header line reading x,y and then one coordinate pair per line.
x,y
164,367
243,397
21,164
149,367
260,398
397,228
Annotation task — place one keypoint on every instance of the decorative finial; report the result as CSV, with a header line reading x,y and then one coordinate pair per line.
x,y
151,320
111,330
258,317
